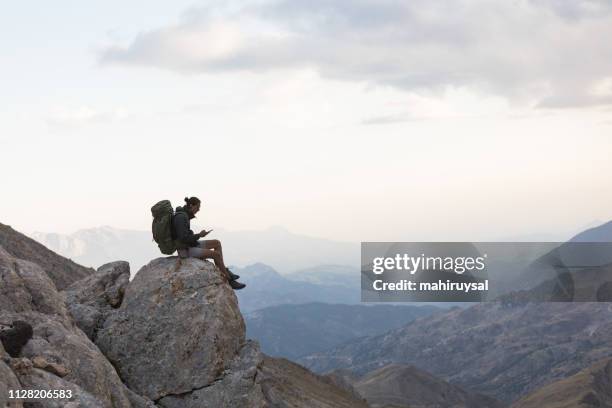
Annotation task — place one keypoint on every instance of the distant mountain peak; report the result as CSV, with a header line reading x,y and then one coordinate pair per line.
x,y
600,233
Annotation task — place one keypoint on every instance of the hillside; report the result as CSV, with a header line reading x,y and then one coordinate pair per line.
x,y
407,386
499,350
600,233
590,388
62,271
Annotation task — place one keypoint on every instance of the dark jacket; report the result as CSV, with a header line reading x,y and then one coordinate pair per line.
x,y
182,233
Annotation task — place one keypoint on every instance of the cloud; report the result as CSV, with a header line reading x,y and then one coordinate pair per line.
x,y
547,53
389,119
73,117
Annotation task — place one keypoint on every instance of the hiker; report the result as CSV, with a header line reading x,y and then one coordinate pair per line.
x,y
188,244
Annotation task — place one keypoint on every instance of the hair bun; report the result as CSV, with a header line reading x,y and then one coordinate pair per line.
x,y
187,199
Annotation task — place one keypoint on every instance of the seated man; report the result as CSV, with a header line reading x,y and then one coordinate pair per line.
x,y
188,244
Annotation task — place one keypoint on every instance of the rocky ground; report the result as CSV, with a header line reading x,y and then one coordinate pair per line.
x,y
172,337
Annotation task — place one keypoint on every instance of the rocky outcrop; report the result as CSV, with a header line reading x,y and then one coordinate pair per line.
x,y
63,272
179,339
177,330
174,335
59,354
91,299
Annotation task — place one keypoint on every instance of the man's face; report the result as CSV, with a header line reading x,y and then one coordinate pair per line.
x,y
195,209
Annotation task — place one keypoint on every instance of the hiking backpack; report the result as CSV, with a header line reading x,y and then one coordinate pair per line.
x,y
162,227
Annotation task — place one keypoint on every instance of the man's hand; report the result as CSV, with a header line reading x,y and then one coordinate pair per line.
x,y
204,233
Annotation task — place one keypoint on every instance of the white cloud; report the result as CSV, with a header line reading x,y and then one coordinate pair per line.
x,y
72,117
546,52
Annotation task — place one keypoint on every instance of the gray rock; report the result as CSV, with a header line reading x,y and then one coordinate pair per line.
x,y
87,318
67,346
138,401
8,381
91,299
26,287
178,329
35,379
238,387
30,295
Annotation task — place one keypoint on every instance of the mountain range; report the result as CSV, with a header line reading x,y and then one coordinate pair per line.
x,y
283,250
504,351
294,331
267,287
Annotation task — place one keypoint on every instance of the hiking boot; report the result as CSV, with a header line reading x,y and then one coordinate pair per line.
x,y
232,275
237,285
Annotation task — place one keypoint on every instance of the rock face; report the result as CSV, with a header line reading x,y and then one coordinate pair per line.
x,y
8,381
62,271
238,385
59,354
91,299
178,329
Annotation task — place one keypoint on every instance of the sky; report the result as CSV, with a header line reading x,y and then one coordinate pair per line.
x,y
369,120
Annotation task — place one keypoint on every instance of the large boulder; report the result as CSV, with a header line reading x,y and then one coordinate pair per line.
x,y
179,339
179,328
91,299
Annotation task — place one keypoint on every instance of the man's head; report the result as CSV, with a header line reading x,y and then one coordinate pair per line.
x,y
192,205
